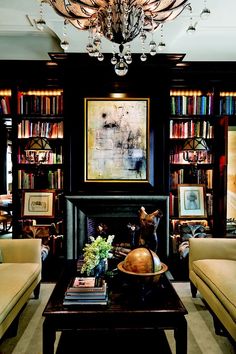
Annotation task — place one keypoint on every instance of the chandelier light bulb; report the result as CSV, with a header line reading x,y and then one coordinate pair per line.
x,y
121,68
161,46
100,57
64,44
191,30
114,60
40,24
205,13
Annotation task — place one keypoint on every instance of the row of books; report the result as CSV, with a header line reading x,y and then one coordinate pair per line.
x,y
39,104
195,105
26,180
53,130
227,105
86,291
182,175
190,129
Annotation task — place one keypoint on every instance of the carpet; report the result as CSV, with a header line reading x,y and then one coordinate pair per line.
x,y
201,336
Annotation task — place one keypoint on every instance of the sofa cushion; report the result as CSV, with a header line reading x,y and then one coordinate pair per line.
x,y
213,272
15,280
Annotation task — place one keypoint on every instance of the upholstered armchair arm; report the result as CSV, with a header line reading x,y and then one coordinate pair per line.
x,y
21,250
211,248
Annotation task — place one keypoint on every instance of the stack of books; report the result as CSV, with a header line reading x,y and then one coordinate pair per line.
x,y
86,291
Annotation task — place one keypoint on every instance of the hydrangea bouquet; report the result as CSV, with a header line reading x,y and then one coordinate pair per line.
x,y
94,252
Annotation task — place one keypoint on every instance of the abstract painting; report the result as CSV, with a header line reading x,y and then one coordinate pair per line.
x,y
116,139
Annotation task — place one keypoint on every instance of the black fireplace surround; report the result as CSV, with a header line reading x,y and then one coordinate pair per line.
x,y
85,211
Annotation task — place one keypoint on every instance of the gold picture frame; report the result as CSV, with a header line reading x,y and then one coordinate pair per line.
x,y
116,140
192,201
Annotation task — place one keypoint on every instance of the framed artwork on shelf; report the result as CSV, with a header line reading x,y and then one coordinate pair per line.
x,y
38,204
117,140
192,201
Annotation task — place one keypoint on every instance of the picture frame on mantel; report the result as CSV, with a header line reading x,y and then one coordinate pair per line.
x,y
117,140
38,204
192,201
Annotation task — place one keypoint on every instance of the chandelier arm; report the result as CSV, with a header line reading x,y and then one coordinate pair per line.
x,y
164,5
82,24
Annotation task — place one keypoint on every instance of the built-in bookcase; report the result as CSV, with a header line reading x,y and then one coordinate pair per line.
x,y
191,117
5,140
39,116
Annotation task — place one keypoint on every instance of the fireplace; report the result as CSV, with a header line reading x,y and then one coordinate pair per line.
x,y
84,212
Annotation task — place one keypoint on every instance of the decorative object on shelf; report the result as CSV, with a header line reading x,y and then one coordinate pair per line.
x,y
96,254
37,152
38,204
37,149
195,151
119,21
192,200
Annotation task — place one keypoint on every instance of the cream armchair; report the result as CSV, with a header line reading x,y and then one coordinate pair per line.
x,y
212,271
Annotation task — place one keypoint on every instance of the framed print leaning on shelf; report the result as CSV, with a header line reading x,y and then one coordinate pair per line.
x,y
116,140
192,200
38,204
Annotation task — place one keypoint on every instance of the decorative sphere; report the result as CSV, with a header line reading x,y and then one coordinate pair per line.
x,y
142,260
142,266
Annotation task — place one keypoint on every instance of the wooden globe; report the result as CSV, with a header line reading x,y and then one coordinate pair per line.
x,y
142,265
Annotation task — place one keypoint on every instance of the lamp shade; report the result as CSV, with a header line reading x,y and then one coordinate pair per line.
x,y
37,144
37,150
195,150
195,144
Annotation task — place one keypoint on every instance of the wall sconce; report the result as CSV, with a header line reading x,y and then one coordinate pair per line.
x,y
195,150
37,150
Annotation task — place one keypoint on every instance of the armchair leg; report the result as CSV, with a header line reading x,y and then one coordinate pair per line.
x,y
219,330
37,291
193,289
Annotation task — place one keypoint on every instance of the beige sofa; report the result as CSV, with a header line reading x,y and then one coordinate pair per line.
x,y
20,275
212,271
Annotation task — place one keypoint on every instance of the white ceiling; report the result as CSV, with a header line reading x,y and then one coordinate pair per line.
x,y
214,40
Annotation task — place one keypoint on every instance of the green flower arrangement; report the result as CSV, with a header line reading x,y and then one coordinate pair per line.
x,y
98,249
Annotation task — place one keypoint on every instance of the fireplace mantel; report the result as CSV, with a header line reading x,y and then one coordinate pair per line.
x,y
80,208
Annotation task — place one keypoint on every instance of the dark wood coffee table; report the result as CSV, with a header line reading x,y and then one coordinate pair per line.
x,y
126,310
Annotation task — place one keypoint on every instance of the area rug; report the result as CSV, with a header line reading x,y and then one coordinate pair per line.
x,y
201,336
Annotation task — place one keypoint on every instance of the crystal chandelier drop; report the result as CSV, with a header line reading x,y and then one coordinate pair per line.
x,y
119,21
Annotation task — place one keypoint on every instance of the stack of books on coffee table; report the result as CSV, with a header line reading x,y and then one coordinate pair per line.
x,y
86,291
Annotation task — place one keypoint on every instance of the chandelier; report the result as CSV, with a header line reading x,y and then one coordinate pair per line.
x,y
120,22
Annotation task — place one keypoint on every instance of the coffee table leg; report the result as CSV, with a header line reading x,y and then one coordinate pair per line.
x,y
49,336
181,337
